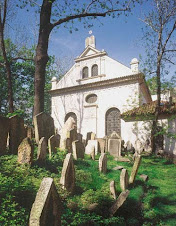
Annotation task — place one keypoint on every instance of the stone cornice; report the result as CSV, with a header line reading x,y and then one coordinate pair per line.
x,y
90,56
125,79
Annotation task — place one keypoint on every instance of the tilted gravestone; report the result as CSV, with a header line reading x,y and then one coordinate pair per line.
x,y
44,126
78,149
119,202
101,144
16,134
53,143
42,149
112,189
103,163
4,130
90,144
25,151
68,132
114,145
124,179
68,174
135,169
46,209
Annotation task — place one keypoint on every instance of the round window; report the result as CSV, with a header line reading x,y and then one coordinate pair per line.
x,y
92,98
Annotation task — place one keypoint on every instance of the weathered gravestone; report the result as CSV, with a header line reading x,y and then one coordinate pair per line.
x,y
135,169
92,154
4,130
103,163
78,149
68,132
46,209
44,126
101,144
42,149
90,144
144,177
68,174
139,146
53,143
25,151
124,179
90,136
17,133
119,202
112,189
129,145
80,137
114,145
147,147
30,132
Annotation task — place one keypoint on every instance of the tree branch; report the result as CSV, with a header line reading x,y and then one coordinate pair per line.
x,y
169,61
82,15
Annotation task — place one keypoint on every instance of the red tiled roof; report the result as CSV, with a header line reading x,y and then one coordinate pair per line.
x,y
147,111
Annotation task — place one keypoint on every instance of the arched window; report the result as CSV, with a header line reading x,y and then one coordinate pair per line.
x,y
85,72
94,70
113,122
71,114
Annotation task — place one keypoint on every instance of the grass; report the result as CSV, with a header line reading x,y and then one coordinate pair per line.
x,y
149,203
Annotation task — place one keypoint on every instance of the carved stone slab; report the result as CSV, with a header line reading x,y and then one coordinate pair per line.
x,y
135,168
124,179
103,163
25,151
78,149
46,209
42,149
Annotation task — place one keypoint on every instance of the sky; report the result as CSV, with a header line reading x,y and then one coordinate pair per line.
x,y
121,37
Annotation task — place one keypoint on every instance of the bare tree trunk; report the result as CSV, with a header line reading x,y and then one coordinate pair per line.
x,y
41,57
6,61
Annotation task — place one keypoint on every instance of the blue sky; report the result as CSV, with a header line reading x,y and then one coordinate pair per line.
x,y
121,37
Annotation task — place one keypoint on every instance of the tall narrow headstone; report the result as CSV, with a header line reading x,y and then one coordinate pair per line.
x,y
90,136
68,174
112,189
53,143
139,146
25,151
17,133
114,145
119,202
78,149
103,163
101,144
124,179
44,126
46,209
42,149
135,169
4,130
90,144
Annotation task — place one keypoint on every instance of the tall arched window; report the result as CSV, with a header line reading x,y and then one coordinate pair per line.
x,y
94,71
113,122
71,114
85,72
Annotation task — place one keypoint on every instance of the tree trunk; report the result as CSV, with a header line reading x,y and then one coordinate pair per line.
x,y
8,71
41,57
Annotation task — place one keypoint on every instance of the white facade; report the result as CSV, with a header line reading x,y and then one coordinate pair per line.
x,y
116,86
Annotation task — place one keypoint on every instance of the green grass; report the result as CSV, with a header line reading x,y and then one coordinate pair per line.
x,y
149,203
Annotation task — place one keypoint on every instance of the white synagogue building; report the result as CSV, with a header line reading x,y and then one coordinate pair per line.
x,y
96,91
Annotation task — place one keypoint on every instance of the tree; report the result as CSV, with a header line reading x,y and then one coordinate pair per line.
x,y
53,13
161,47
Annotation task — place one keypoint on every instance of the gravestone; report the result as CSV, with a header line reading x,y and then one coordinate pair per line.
x,y
30,132
78,149
101,144
16,134
124,179
112,189
68,174
80,137
147,146
139,146
4,130
114,145
144,177
128,146
25,151
118,203
90,136
103,163
46,209
44,126
92,143
53,143
42,149
68,131
135,169
92,154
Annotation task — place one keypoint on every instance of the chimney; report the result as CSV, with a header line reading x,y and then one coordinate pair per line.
x,y
134,65
90,41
